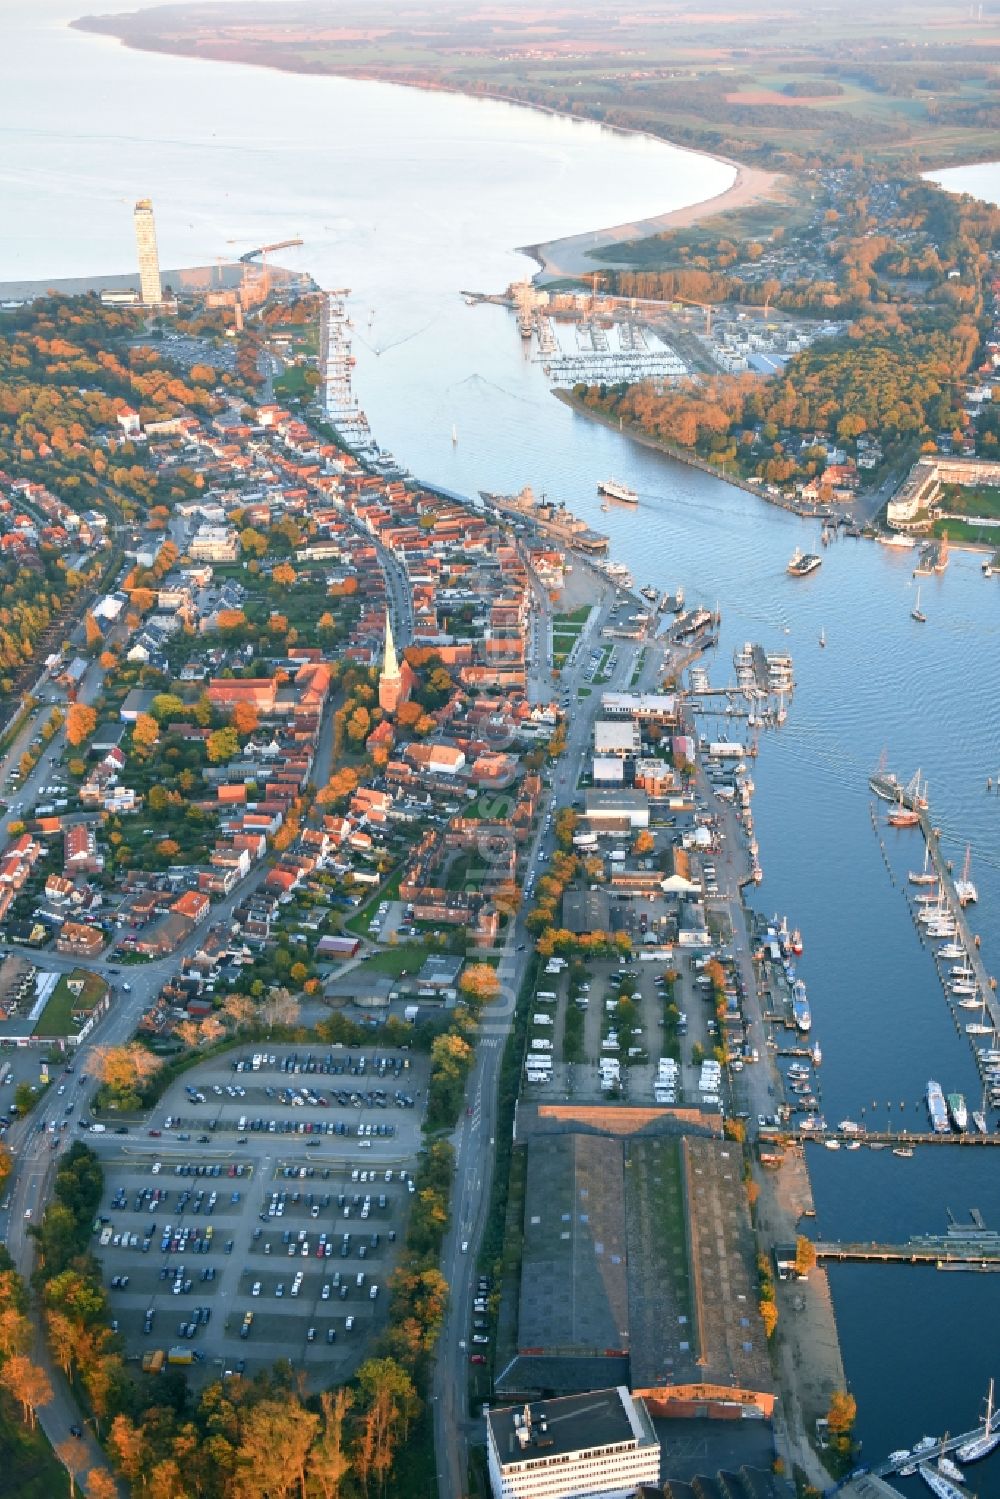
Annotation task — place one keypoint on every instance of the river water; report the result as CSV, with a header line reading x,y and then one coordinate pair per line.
x,y
410,198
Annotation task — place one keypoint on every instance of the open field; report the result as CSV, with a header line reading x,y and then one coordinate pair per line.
x,y
775,89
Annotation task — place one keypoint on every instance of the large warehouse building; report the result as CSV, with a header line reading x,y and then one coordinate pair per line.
x,y
638,1268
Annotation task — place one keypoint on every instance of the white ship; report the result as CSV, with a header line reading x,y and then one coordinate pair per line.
x,y
614,489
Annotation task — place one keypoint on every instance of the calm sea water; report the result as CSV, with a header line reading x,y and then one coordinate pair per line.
x,y
411,198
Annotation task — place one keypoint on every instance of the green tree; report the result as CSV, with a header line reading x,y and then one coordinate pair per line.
x,y
223,744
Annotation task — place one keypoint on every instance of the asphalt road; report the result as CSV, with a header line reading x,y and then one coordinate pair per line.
x,y
475,1136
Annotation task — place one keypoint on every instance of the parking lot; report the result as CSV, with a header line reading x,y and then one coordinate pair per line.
x,y
248,1247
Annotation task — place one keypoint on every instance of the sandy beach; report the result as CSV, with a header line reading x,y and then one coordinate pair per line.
x,y
570,257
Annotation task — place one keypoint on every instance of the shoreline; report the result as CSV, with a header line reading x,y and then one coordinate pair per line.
x,y
750,185
692,460
571,255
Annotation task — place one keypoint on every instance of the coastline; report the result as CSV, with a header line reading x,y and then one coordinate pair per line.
x,y
564,257
680,456
571,256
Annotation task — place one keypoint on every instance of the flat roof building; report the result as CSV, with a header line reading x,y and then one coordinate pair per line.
x,y
648,707
601,1445
617,737
614,811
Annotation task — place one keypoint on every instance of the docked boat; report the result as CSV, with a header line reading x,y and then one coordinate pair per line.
x,y
615,490
970,1003
853,1145
964,887
938,1484
796,943
849,1127
896,539
979,1120
962,986
832,1144
801,1013
952,950
987,1441
803,563
937,1109
950,1470
958,1111
903,817
978,1028
900,1455
925,876
901,1150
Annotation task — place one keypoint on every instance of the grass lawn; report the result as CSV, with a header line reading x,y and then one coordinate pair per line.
x,y
31,1470
960,530
577,619
408,957
57,1017
359,922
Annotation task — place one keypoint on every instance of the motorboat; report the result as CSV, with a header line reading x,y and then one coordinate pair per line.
x,y
950,1470
952,950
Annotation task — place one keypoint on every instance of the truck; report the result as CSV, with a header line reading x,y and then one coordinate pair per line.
x,y
541,1045
153,1361
410,1014
180,1355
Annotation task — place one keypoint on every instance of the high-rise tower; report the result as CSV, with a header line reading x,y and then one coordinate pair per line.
x,y
150,291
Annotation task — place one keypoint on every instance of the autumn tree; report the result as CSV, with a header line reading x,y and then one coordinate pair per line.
x,y
275,1439
101,1485
125,1071
841,1413
27,1384
327,1464
244,719
644,843
284,574
805,1255
92,632
145,731
480,982
451,1062
239,1009
81,721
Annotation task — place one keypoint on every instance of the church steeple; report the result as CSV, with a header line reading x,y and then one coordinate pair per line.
x,y
394,679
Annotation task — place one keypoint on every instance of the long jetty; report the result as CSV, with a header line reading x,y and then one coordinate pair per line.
x,y
963,931
971,1254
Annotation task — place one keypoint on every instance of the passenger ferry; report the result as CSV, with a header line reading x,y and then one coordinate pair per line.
x,y
615,490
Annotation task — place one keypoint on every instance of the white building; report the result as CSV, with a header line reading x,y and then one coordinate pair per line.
x,y
600,1445
646,707
214,544
617,737
150,291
